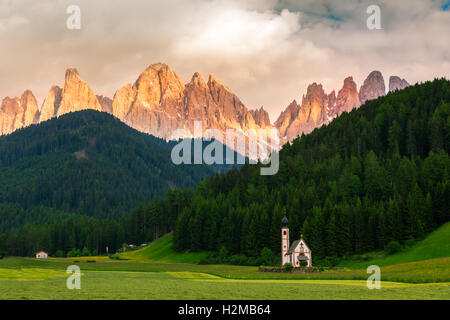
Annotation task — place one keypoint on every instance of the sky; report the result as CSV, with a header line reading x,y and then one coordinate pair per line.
x,y
265,51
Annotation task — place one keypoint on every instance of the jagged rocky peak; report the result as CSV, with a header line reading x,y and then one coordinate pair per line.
x,y
331,106
77,94
153,103
8,113
314,111
373,87
396,83
347,98
314,104
122,101
261,117
230,106
31,109
72,73
10,105
157,85
286,117
16,113
199,105
106,104
197,95
197,81
51,104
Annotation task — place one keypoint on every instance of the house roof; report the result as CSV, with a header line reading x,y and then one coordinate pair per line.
x,y
41,252
302,258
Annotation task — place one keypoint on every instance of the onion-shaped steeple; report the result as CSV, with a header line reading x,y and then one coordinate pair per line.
x,y
284,222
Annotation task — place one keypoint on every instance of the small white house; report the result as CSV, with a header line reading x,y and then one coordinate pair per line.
x,y
41,255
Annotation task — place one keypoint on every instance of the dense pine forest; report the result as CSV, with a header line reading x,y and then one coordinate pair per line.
x,y
377,174
372,176
68,182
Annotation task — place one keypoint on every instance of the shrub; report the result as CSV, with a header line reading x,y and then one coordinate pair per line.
x,y
253,261
393,247
238,259
303,263
223,254
73,253
212,258
410,242
288,267
59,254
85,252
267,256
3,254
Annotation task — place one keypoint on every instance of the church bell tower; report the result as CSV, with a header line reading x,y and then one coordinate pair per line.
x,y
284,240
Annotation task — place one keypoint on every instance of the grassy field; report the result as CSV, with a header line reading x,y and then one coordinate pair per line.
x,y
158,272
435,245
162,251
50,283
26,278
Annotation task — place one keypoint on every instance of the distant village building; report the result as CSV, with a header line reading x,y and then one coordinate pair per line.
x,y
41,255
297,251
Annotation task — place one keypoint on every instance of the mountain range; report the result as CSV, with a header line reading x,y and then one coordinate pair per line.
x,y
158,103
318,108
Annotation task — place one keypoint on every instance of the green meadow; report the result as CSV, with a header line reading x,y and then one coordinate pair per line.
x,y
158,272
162,251
29,279
435,245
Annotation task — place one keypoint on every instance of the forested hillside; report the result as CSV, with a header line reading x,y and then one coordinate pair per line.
x,y
69,172
376,174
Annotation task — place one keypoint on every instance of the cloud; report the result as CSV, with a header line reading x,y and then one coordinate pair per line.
x,y
266,51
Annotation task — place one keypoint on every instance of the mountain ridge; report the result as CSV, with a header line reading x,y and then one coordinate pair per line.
x,y
159,103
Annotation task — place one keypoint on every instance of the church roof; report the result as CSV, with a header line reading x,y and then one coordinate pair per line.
x,y
293,246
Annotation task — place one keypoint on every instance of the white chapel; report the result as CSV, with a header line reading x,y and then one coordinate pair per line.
x,y
297,251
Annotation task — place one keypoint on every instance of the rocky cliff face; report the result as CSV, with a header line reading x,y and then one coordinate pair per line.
x,y
287,117
153,104
318,108
314,111
106,104
51,104
396,83
261,117
347,98
16,113
159,103
76,95
372,88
